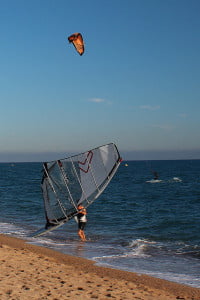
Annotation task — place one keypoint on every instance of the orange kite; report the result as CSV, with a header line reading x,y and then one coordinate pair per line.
x,y
77,40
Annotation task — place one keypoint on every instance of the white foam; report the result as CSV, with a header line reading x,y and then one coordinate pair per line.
x,y
9,228
139,248
154,181
177,179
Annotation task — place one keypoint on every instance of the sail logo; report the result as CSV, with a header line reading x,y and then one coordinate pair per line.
x,y
85,165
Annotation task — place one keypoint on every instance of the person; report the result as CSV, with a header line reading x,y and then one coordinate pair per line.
x,y
82,220
155,175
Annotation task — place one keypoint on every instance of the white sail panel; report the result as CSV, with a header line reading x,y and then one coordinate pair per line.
x,y
96,170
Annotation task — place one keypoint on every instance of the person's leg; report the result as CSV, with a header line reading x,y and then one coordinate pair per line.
x,y
82,235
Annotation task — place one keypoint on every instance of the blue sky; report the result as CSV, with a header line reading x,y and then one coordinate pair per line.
x,y
137,84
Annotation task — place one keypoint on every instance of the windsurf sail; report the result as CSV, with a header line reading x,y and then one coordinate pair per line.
x,y
75,180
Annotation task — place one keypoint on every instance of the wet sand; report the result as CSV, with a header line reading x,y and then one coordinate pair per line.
x,y
33,272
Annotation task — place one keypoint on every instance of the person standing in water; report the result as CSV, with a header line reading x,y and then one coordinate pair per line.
x,y
155,175
82,220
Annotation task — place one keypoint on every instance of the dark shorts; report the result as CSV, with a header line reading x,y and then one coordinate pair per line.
x,y
81,225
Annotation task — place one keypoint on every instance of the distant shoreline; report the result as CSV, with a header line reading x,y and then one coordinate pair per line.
x,y
132,155
123,161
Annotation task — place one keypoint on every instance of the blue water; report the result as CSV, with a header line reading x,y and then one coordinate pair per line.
x,y
137,224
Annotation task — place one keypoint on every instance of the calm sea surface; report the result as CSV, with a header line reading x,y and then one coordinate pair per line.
x,y
137,224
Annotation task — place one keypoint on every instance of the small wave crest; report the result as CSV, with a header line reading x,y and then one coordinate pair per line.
x,y
174,179
9,228
148,248
140,248
189,250
177,179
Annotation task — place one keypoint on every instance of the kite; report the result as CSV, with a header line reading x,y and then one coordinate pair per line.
x,y
77,40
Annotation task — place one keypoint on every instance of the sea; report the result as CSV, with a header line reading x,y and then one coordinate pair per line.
x,y
138,224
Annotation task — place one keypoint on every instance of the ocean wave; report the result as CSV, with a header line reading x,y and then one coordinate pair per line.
x,y
140,248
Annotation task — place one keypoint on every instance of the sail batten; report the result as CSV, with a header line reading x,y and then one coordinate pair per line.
x,y
66,182
92,173
79,179
52,186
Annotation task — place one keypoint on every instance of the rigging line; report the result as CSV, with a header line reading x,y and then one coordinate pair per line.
x,y
51,166
59,188
57,185
46,198
66,182
79,181
50,182
63,193
57,198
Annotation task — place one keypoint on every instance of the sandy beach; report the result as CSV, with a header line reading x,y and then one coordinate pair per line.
x,y
33,272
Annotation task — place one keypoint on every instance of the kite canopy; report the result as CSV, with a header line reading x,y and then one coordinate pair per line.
x,y
77,40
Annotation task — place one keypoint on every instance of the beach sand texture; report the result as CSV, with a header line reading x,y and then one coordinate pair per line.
x,y
33,272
